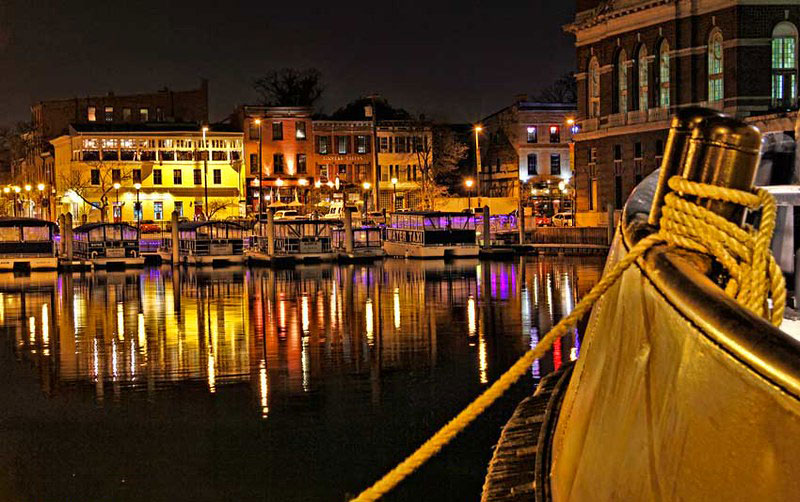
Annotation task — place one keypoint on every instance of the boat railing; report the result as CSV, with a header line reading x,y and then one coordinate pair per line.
x,y
363,238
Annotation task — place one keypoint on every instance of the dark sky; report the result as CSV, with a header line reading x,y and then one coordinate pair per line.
x,y
455,61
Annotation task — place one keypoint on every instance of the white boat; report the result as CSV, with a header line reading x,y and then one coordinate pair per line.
x,y
431,234
27,244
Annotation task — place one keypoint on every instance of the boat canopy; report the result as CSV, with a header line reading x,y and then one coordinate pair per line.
x,y
432,220
26,230
96,232
213,229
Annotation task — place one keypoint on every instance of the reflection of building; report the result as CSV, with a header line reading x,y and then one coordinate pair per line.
x,y
403,148
526,143
639,61
287,150
170,161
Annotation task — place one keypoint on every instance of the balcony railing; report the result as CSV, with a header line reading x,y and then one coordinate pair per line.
x,y
637,116
617,119
657,114
589,125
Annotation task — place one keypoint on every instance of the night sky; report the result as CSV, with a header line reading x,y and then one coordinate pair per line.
x,y
453,61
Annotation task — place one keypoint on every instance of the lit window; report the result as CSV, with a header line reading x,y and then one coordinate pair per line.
x,y
784,65
663,73
532,134
177,177
126,114
342,144
323,146
643,78
594,88
158,210
301,163
362,144
179,207
716,90
555,134
91,114
144,114
622,82
300,130
109,113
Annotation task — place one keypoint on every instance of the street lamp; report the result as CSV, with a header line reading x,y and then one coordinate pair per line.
x,y
366,185
478,129
116,187
205,170
279,184
17,190
40,188
394,193
258,176
468,183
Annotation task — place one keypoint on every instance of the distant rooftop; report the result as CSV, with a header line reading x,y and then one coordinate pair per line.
x,y
533,105
148,127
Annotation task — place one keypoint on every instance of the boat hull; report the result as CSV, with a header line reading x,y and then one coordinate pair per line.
x,y
32,263
409,250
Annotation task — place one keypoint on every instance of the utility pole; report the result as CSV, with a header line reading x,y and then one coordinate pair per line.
x,y
260,180
205,170
375,168
478,129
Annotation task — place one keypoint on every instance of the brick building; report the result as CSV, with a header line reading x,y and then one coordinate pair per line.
x,y
640,60
403,146
526,143
287,151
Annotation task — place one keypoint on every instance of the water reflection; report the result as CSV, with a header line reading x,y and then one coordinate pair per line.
x,y
382,337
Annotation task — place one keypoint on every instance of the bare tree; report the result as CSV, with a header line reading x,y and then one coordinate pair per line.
x,y
436,160
80,183
23,145
563,90
290,87
217,205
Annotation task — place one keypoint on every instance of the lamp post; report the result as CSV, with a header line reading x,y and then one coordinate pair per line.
x,y
279,184
367,185
40,188
17,190
394,194
258,176
138,209
478,129
116,187
468,183
205,171
6,190
303,182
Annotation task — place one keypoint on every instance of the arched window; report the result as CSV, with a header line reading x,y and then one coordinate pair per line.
x,y
784,64
641,63
663,74
622,82
716,88
594,88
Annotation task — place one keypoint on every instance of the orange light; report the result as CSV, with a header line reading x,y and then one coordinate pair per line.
x,y
469,182
478,128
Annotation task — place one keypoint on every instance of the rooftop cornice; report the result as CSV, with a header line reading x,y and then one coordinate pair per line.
x,y
608,10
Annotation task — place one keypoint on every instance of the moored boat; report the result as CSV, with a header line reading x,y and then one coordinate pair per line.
x,y
431,234
211,242
27,244
107,245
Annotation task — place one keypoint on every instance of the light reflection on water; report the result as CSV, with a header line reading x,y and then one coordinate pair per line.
x,y
325,357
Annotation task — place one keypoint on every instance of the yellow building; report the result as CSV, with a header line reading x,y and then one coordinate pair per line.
x,y
405,151
101,170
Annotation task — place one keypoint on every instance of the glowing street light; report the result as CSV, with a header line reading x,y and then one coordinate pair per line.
x,y
28,188
6,189
17,189
477,129
468,183
394,193
40,187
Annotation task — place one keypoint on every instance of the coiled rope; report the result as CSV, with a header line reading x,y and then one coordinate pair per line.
x,y
754,280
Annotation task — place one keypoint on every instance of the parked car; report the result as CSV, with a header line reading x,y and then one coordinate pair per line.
x,y
564,220
542,220
149,226
287,214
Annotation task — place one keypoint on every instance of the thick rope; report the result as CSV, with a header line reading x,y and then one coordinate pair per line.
x,y
754,278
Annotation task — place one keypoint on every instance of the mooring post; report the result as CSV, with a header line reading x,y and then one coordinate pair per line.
x,y
68,227
176,255
271,231
486,228
521,221
610,223
62,248
348,231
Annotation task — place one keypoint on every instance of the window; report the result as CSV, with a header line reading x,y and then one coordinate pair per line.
x,y
384,144
301,164
555,164
300,130
342,169
323,145
591,192
116,175
637,150
617,152
643,75
716,90
555,134
253,130
784,65
109,113
158,210
137,175
533,134
594,88
593,155
342,144
198,177
622,82
156,176
277,163
144,114
91,114
323,171
532,164
95,175
663,74
253,163
126,114
277,131
179,207
362,144
217,176
401,144
137,211
177,177
159,114
618,191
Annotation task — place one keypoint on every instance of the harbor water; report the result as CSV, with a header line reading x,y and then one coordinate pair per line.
x,y
259,384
